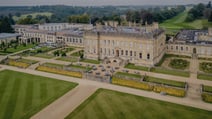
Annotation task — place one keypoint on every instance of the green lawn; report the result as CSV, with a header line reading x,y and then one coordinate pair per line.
x,y
53,65
178,22
44,55
165,82
69,59
171,72
77,54
82,68
132,66
27,61
22,95
128,75
204,77
207,89
90,61
19,48
107,104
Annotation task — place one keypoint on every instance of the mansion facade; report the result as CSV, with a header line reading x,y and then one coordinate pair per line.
x,y
144,45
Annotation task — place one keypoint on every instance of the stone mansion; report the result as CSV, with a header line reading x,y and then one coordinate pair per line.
x,y
144,45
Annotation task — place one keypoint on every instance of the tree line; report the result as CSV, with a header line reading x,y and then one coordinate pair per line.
x,y
5,24
200,11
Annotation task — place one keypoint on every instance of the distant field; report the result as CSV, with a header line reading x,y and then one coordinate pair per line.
x,y
107,104
178,22
48,14
22,95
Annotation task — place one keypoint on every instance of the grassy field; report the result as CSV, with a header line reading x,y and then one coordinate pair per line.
x,y
207,88
69,59
44,55
107,104
128,75
48,14
165,82
22,95
178,22
171,72
90,61
132,66
204,77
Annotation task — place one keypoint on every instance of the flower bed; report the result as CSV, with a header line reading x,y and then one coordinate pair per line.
x,y
149,87
18,64
131,83
60,71
207,97
169,91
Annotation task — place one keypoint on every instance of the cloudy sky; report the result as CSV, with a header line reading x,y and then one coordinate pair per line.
x,y
96,2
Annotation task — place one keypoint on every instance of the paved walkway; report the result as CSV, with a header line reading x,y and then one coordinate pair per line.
x,y
60,108
183,101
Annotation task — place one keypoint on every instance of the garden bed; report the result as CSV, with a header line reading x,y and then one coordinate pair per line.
x,y
179,64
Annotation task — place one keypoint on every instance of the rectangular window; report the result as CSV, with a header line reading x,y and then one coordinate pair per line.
x,y
126,52
140,55
122,52
135,53
130,53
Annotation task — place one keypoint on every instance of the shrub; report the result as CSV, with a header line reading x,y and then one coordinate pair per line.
x,y
207,97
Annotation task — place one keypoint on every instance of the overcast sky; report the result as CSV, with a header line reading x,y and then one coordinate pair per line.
x,y
96,2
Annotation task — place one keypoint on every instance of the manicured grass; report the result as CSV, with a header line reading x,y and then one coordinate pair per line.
x,y
171,72
19,48
132,66
27,61
22,95
90,61
107,104
204,77
128,75
77,54
83,68
165,82
173,25
179,64
69,59
207,89
44,55
53,65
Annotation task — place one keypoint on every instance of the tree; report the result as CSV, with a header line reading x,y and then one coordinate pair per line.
x,y
210,18
189,18
5,26
209,4
129,15
146,17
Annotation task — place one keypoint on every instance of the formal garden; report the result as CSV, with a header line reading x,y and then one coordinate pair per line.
x,y
205,71
14,46
19,62
109,104
23,95
179,64
166,87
